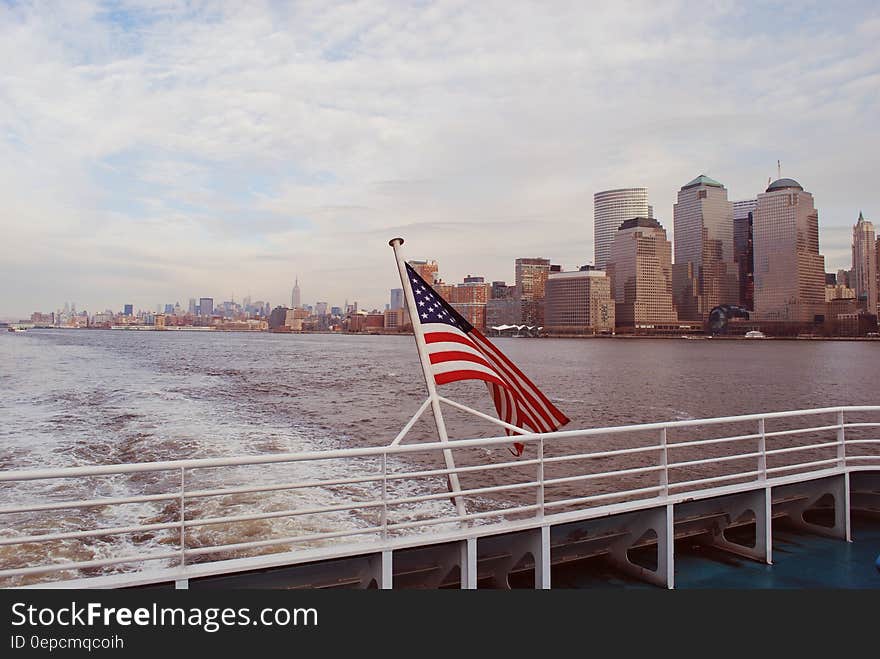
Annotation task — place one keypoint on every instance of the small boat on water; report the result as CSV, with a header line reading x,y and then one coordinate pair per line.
x,y
17,329
755,334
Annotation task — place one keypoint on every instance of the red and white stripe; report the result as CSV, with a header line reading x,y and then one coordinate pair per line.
x,y
457,355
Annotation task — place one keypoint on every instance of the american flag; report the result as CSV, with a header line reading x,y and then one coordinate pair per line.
x,y
458,351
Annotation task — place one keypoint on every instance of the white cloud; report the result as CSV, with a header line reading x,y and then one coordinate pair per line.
x,y
154,151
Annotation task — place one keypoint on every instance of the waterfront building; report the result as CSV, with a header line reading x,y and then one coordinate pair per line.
x,y
579,302
320,308
128,310
501,291
640,268
469,299
475,314
610,209
206,307
531,278
703,224
397,299
789,271
743,250
864,264
374,321
443,289
191,308
427,270
839,292
685,290
503,311
296,295
293,318
395,319
356,321
845,317
472,291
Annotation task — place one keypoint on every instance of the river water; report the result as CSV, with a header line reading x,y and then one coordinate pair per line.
x,y
76,397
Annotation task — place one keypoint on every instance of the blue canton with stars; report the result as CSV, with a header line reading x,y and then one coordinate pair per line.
x,y
431,307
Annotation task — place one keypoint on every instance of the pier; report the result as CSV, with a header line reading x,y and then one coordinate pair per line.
x,y
631,496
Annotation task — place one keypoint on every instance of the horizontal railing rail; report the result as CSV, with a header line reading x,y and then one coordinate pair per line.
x,y
381,493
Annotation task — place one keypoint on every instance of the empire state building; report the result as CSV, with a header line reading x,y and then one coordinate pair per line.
x,y
295,298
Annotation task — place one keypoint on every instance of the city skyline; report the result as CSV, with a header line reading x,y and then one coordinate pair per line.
x,y
430,263
140,164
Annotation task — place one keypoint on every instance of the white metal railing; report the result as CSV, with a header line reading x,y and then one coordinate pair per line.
x,y
560,480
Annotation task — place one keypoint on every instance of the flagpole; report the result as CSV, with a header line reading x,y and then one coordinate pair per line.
x,y
452,477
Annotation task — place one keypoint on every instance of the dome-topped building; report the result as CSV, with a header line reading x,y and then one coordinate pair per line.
x,y
789,270
784,184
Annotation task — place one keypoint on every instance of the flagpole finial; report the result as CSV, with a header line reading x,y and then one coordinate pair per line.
x,y
396,242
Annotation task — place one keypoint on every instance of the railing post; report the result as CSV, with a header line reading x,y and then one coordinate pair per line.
x,y
384,496
541,478
841,462
664,462
182,517
762,449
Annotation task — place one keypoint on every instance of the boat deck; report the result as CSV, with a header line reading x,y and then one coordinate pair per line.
x,y
778,496
800,560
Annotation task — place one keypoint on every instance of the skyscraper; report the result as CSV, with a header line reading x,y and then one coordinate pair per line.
x,y
864,264
396,299
789,271
877,262
640,267
743,249
703,224
531,278
128,310
610,209
295,296
206,306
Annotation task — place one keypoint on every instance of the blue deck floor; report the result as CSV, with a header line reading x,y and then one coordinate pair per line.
x,y
799,561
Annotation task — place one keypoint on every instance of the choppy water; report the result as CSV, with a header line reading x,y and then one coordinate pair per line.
x,y
70,398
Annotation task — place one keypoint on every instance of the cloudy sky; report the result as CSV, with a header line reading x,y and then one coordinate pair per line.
x,y
152,151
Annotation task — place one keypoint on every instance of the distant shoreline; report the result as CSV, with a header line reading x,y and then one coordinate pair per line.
x,y
689,337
